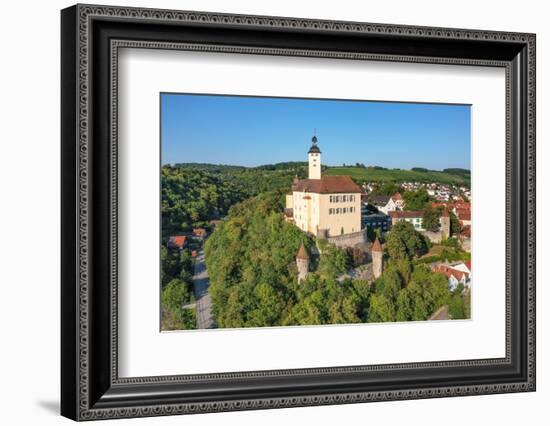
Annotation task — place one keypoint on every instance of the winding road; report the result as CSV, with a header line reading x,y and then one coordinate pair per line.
x,y
201,281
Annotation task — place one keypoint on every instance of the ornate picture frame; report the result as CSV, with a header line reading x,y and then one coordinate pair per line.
x,y
90,39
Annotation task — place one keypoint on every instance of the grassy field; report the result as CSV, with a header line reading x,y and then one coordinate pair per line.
x,y
396,175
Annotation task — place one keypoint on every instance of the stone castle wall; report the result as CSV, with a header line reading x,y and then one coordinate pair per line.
x,y
434,237
348,240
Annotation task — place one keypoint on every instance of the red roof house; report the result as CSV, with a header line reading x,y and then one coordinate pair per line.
x,y
177,242
200,232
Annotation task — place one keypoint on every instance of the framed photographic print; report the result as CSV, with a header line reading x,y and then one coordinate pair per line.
x,y
263,212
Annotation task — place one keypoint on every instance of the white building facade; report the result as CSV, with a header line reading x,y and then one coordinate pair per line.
x,y
324,206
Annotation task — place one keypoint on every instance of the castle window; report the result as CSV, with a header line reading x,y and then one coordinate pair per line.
x,y
344,198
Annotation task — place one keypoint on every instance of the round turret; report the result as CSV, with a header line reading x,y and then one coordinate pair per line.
x,y
302,262
377,254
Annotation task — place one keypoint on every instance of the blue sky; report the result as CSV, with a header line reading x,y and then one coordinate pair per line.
x,y
251,131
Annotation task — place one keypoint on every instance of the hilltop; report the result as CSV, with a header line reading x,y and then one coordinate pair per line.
x,y
381,174
454,176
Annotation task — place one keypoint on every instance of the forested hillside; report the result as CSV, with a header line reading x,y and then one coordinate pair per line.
x,y
253,277
193,194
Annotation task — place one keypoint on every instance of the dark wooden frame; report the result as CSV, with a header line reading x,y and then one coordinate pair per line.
x,y
90,386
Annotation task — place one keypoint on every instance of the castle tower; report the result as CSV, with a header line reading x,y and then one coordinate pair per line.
x,y
314,160
302,262
377,258
445,222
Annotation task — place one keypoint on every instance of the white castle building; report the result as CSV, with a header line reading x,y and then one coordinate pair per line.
x,y
325,206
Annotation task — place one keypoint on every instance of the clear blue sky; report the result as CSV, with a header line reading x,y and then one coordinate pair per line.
x,y
251,131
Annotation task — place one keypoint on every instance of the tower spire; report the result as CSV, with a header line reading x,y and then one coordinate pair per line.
x,y
314,158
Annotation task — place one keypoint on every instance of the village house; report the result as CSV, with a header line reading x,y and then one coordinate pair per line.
x,y
398,201
384,203
456,274
412,216
325,206
415,217
200,233
463,213
177,242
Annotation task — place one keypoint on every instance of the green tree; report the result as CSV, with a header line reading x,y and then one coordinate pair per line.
x,y
174,316
403,241
404,305
334,261
455,224
269,305
174,294
170,265
416,200
381,309
456,302
430,218
387,188
389,284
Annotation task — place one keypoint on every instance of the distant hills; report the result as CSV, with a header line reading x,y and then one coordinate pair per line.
x,y
417,174
360,173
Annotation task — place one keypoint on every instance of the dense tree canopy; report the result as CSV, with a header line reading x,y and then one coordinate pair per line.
x,y
387,188
416,200
403,241
176,269
430,218
193,194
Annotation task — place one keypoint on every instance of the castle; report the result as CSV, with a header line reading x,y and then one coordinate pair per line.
x,y
377,265
325,206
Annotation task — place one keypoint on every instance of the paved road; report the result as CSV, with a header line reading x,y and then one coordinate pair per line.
x,y
441,314
201,282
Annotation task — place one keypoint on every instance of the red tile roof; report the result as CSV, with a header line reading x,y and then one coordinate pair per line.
x,y
448,271
462,205
327,185
463,214
379,200
406,214
177,241
302,253
376,246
